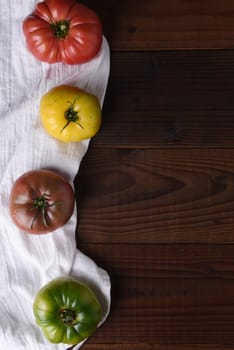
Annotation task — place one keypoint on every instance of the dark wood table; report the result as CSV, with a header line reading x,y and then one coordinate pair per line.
x,y
156,189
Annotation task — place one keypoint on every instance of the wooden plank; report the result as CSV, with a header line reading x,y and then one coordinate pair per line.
x,y
145,346
155,196
167,24
167,294
169,99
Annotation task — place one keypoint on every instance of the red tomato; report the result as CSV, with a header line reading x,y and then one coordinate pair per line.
x,y
41,201
63,31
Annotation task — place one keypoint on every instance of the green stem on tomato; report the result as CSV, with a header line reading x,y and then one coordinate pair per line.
x,y
42,204
61,28
68,316
71,116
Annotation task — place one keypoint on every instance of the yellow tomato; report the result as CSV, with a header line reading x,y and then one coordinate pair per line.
x,y
70,114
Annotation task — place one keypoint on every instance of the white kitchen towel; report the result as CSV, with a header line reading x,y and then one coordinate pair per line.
x,y
27,261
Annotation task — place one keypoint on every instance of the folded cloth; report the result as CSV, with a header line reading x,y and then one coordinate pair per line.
x,y
27,262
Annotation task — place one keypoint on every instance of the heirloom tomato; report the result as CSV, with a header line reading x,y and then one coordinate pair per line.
x,y
63,31
67,311
41,201
70,114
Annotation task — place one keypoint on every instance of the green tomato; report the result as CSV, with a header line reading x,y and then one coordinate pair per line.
x,y
67,311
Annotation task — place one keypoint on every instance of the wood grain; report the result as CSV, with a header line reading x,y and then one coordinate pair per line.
x,y
145,346
169,99
155,192
155,196
167,24
167,294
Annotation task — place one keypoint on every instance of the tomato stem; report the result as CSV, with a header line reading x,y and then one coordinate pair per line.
x,y
60,28
41,204
68,316
71,116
